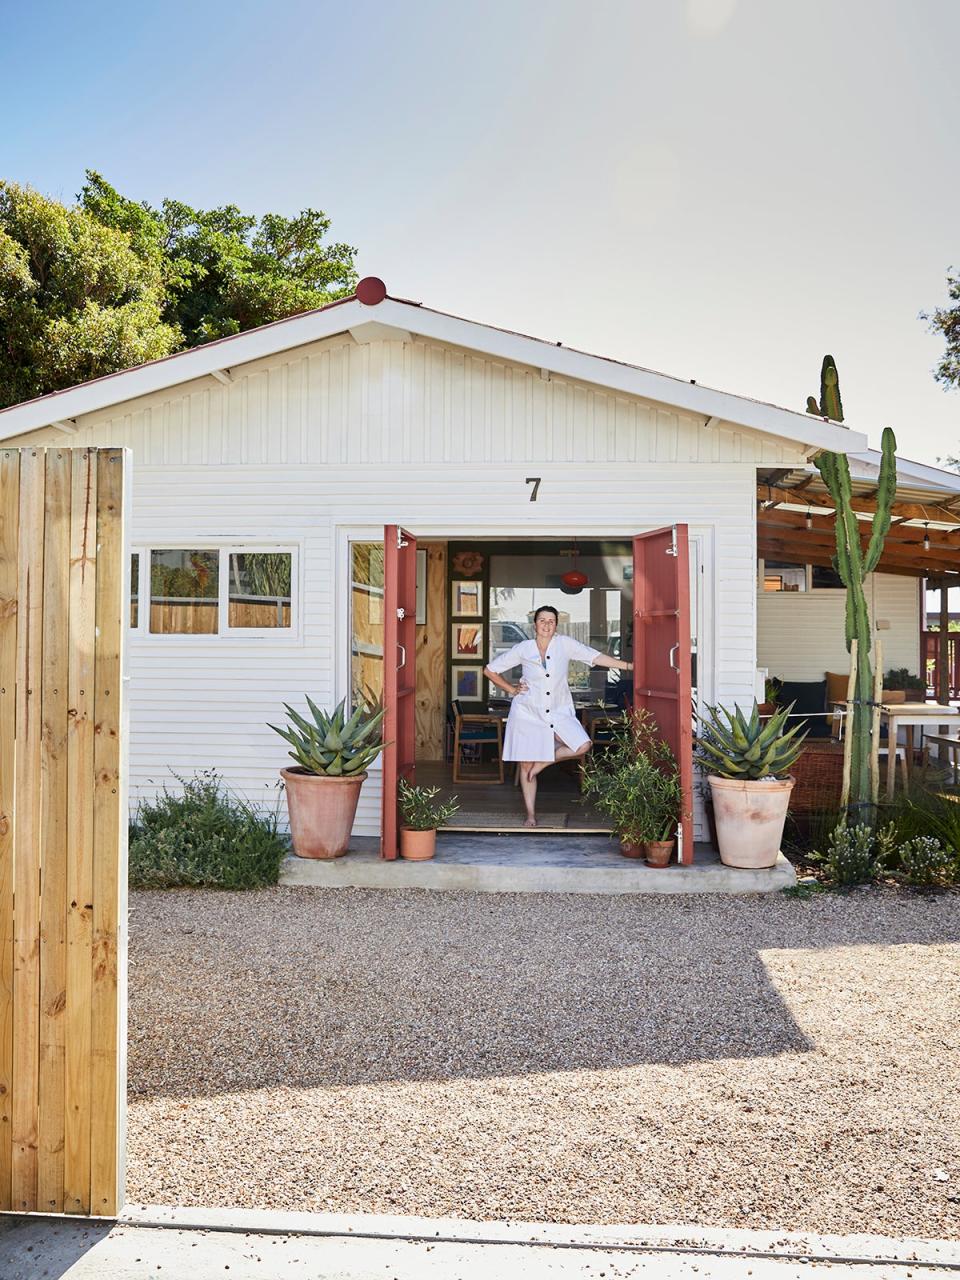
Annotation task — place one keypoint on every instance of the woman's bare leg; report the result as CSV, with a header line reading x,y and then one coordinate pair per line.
x,y
529,788
562,752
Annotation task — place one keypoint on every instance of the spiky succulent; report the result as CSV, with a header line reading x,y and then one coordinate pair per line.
x,y
332,745
748,749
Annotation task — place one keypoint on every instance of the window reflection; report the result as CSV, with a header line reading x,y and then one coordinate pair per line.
x,y
366,621
184,587
259,589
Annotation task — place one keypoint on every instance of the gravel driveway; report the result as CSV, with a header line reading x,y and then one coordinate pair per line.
x,y
750,1062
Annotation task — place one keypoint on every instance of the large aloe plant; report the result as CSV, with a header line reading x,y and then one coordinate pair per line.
x,y
748,749
331,745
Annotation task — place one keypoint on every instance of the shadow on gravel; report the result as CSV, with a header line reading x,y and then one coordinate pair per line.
x,y
299,988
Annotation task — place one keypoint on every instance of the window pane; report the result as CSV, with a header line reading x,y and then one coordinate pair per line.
x,y
782,575
824,577
134,589
366,621
259,592
184,586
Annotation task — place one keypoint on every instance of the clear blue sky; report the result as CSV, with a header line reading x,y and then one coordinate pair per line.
x,y
718,189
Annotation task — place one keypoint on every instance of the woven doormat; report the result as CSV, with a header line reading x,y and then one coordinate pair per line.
x,y
502,821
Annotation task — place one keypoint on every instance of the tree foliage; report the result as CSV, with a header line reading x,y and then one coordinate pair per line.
x,y
76,299
946,321
110,283
226,271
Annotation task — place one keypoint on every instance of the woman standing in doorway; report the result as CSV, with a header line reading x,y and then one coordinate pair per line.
x,y
542,726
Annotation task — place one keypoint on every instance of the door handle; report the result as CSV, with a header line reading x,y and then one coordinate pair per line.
x,y
674,648
403,663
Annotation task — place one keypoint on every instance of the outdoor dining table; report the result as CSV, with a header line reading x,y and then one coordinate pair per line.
x,y
909,715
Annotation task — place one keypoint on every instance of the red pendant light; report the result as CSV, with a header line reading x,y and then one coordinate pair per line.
x,y
574,579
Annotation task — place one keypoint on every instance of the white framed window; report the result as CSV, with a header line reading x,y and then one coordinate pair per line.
x,y
192,590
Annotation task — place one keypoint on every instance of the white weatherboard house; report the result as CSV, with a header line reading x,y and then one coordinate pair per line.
x,y
266,466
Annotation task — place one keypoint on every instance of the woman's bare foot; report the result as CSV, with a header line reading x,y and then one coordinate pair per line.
x,y
530,821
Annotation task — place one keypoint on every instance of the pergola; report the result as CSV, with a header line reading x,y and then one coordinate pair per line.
x,y
795,522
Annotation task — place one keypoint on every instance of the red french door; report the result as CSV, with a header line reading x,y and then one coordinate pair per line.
x,y
399,674
661,652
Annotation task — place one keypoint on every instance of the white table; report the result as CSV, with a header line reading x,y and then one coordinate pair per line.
x,y
910,714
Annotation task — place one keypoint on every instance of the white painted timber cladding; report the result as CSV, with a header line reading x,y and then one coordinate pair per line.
x,y
800,635
346,436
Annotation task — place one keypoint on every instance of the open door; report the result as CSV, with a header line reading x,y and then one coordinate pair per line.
x,y
661,652
399,674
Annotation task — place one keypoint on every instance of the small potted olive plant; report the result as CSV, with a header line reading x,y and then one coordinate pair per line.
x,y
420,815
748,763
332,755
636,783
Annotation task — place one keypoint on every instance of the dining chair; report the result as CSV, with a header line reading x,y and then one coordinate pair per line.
x,y
475,730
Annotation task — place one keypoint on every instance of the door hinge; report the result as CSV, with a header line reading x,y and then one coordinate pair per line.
x,y
401,540
401,613
672,549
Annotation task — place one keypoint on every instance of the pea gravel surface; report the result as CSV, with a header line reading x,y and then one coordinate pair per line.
x,y
762,1062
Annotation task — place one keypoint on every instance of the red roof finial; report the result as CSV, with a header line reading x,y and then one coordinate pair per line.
x,y
371,290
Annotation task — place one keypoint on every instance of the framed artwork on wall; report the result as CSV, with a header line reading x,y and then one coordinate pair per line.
x,y
467,640
466,683
466,599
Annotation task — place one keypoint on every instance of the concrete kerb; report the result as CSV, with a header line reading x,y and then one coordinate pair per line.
x,y
530,872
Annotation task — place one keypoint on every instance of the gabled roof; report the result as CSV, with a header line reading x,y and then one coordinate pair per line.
x,y
371,313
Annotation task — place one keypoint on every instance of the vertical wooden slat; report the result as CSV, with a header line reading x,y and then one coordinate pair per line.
x,y
26,835
108,841
53,827
9,523
80,738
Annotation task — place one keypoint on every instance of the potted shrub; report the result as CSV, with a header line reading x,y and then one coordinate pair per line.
x,y
332,755
420,815
901,685
636,783
748,764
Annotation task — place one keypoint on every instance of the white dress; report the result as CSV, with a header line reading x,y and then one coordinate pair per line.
x,y
547,706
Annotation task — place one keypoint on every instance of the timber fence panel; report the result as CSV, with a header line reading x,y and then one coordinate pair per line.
x,y
9,523
62,829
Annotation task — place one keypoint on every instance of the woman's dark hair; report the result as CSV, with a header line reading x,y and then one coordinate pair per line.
x,y
546,608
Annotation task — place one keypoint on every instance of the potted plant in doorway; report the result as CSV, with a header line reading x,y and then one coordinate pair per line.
x,y
636,783
332,755
421,813
748,762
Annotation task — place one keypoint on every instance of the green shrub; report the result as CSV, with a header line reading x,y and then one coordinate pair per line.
x,y
852,856
205,836
924,862
420,808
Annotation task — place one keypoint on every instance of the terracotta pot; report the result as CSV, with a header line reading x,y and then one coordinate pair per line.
x,y
766,708
750,817
417,846
658,852
629,849
321,812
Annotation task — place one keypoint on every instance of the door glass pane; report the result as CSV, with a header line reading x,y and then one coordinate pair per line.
x,y
184,589
366,621
599,614
135,589
259,591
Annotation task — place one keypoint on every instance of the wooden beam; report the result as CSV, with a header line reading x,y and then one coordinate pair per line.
x,y
817,549
939,512
901,536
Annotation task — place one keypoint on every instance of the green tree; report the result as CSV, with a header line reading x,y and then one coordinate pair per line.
x,y
224,270
946,321
77,299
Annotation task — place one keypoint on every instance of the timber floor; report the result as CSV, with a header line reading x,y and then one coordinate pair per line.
x,y
559,804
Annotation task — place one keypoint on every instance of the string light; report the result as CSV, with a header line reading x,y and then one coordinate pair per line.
x,y
809,518
926,538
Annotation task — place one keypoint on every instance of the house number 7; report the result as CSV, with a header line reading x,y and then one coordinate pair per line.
x,y
535,481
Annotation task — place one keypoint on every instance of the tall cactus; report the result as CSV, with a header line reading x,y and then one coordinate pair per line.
x,y
853,564
829,404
